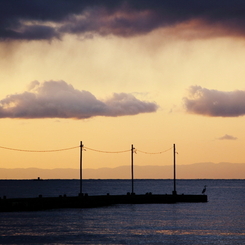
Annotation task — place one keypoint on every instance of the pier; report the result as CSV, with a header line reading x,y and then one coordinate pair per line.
x,y
86,201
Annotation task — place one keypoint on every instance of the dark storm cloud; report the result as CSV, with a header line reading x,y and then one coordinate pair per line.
x,y
57,99
44,19
215,103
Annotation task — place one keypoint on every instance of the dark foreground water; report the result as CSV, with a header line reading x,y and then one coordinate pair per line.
x,y
220,221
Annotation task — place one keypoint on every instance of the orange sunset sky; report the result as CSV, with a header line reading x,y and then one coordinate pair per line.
x,y
116,73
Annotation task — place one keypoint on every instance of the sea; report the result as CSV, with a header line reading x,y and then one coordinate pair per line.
x,y
219,221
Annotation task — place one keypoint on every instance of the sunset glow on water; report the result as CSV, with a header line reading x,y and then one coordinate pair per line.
x,y
219,221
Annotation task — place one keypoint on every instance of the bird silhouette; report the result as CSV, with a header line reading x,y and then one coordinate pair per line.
x,y
204,189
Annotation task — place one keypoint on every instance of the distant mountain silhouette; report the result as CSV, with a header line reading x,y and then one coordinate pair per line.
x,y
205,170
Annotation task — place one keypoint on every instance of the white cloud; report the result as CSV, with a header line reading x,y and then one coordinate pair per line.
x,y
227,137
215,103
57,99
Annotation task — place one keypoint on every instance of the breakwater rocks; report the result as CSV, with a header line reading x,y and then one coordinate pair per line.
x,y
86,201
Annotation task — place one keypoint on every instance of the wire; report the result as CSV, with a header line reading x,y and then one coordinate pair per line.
x,y
14,149
160,152
135,151
86,148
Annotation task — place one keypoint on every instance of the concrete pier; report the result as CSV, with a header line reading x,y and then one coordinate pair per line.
x,y
86,201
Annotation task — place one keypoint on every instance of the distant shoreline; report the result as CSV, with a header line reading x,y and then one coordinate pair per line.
x,y
111,179
193,171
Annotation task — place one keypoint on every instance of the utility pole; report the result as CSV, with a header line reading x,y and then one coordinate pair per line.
x,y
81,168
132,167
174,152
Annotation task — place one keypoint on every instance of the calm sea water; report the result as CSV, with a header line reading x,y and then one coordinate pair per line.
x,y
220,221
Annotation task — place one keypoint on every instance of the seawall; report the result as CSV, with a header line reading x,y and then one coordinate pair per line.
x,y
85,201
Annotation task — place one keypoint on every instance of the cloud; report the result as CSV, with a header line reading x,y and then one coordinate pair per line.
x,y
227,137
57,99
215,103
45,20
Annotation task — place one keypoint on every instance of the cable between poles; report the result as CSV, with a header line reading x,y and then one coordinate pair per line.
x,y
84,148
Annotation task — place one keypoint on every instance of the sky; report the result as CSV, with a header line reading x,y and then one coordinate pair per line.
x,y
113,74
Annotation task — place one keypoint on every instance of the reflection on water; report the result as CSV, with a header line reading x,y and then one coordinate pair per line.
x,y
199,232
220,221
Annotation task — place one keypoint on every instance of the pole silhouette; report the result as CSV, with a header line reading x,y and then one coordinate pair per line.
x,y
81,167
174,152
132,167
